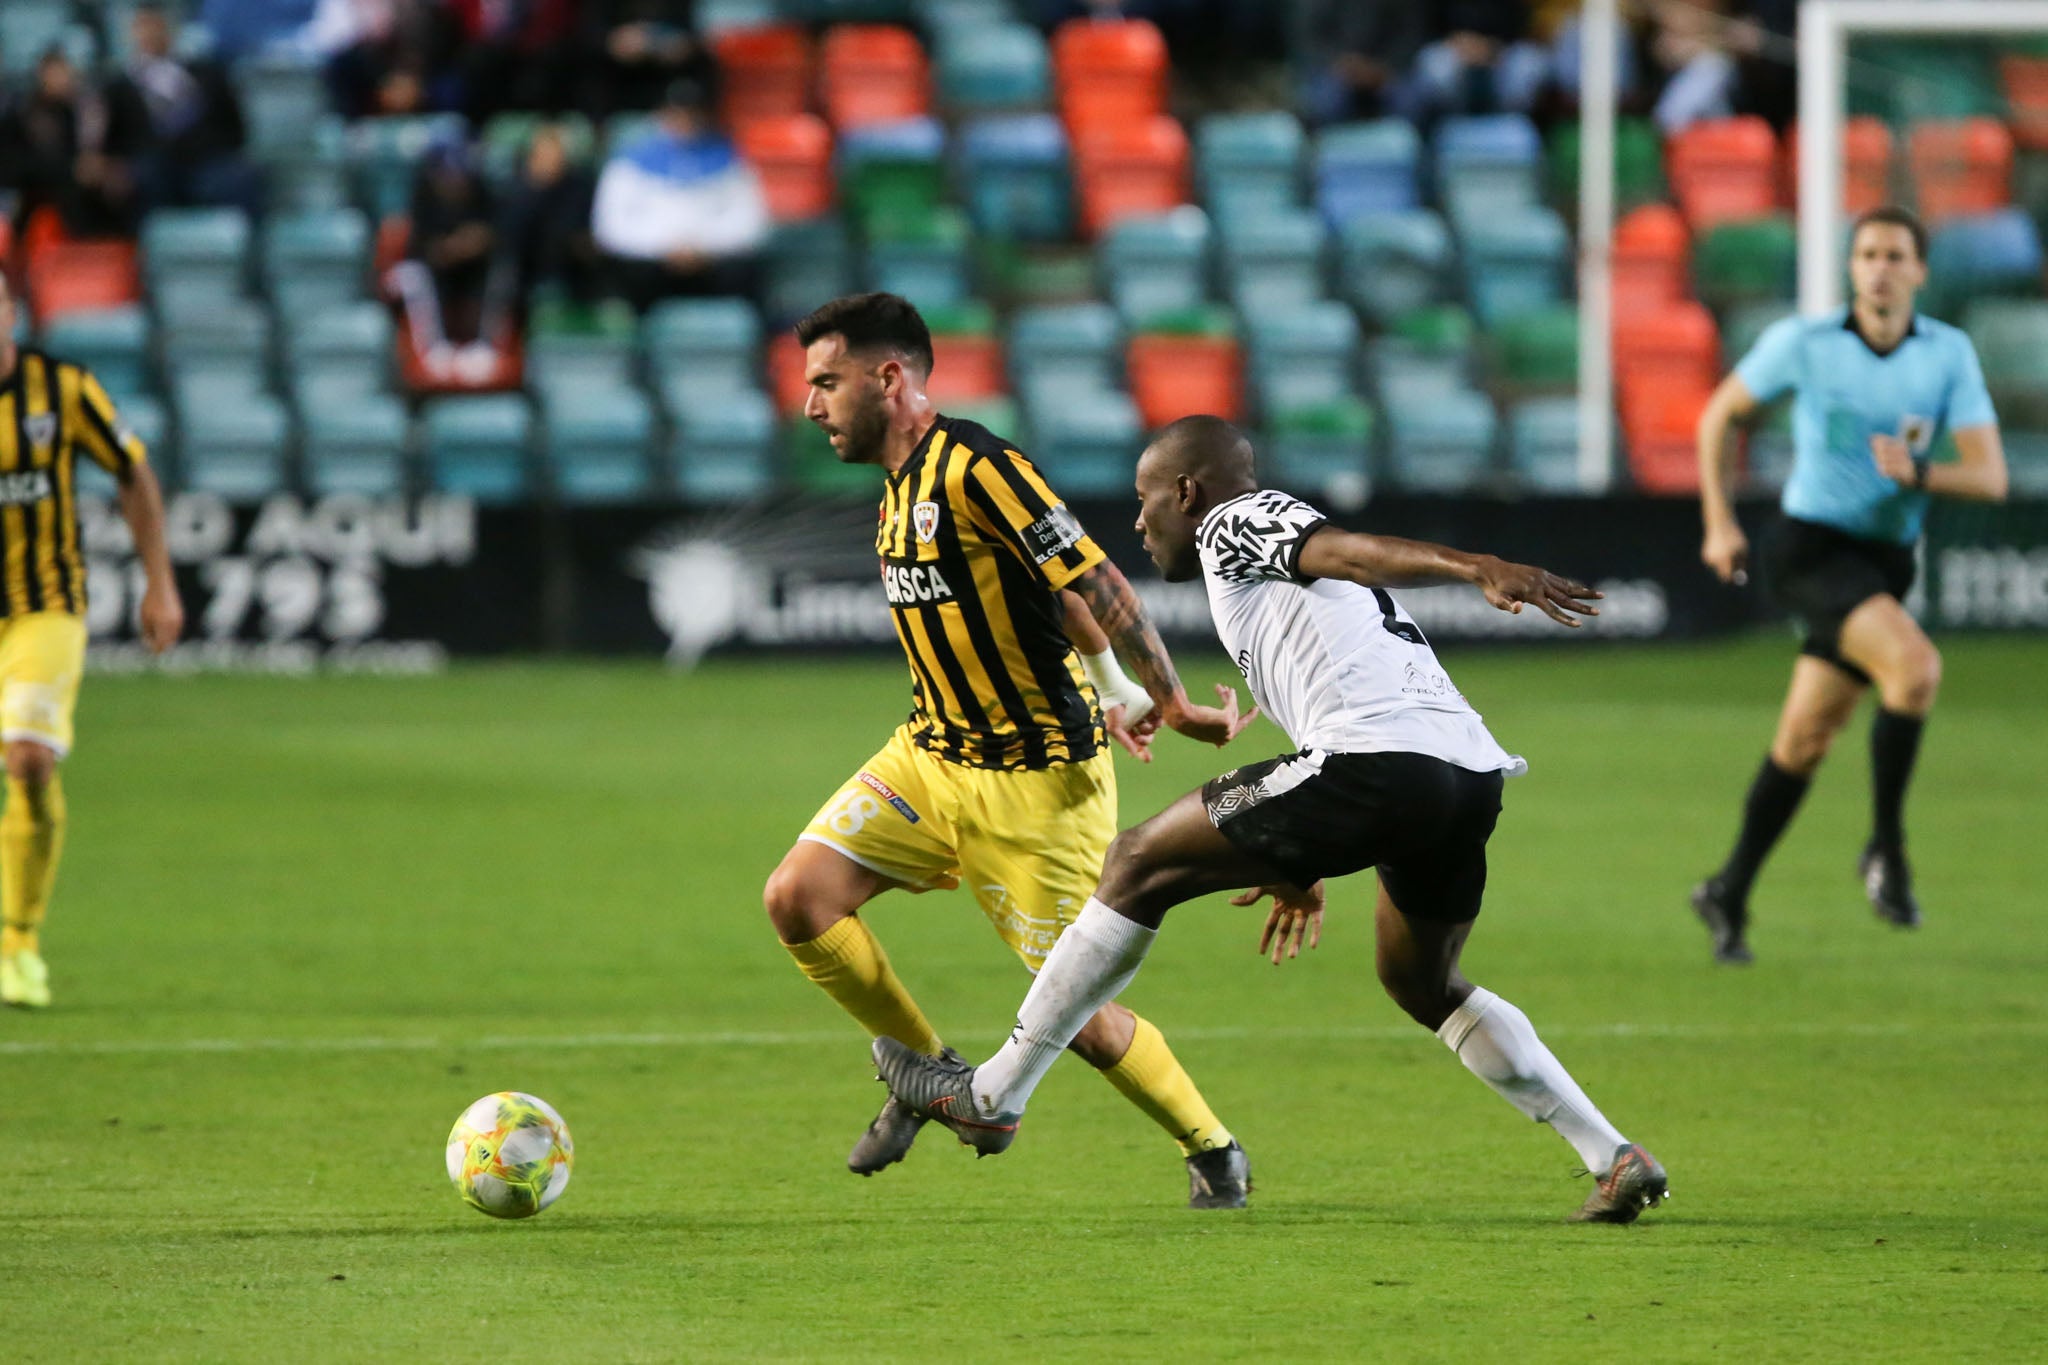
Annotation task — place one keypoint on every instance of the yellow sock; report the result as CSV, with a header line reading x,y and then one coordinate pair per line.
x,y
31,840
1151,1077
848,962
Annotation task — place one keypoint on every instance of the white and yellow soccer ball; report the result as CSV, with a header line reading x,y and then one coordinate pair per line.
x,y
509,1155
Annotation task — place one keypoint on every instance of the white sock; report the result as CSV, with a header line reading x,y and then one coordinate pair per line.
x,y
1087,968
1497,1044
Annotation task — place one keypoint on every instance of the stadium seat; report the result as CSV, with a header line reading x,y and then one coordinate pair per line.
x,y
1724,170
1109,73
29,28
284,99
985,68
70,276
1428,351
1866,165
1442,443
1676,350
315,175
763,73
1659,426
1065,346
1990,253
234,332
786,382
872,73
1515,262
1321,451
892,175
2011,337
1087,441
1157,265
1768,448
1249,163
715,18
703,347
723,452
384,152
1306,357
563,363
476,445
113,343
1125,170
967,360
1748,261
236,449
1273,261
151,423
1650,259
2026,92
1960,167
503,144
1543,444
1486,165
351,342
792,153
200,249
1536,352
316,259
1014,177
355,444
1366,169
1745,322
808,263
1177,374
926,262
809,462
597,442
1394,263
1638,163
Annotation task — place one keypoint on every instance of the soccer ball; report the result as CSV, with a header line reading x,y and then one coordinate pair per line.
x,y
509,1155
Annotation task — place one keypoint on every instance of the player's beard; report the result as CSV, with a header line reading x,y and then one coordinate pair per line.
x,y
865,435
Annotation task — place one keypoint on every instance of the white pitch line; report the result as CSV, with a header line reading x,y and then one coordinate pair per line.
x,y
157,1047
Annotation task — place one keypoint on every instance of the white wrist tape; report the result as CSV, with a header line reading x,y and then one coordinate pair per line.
x,y
1112,688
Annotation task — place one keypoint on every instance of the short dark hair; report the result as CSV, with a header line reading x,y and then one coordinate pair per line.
x,y
1891,215
887,322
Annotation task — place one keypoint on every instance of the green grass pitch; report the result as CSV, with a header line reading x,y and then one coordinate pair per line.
x,y
302,923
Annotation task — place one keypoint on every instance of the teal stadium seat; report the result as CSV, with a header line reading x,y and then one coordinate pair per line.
x,y
201,251
316,258
713,17
1274,262
1983,254
1429,351
1250,163
598,443
284,99
1543,444
28,28
1014,177
1441,442
348,346
383,151
239,450
1487,165
233,335
112,342
353,443
151,423
926,262
1306,357
985,67
2011,336
704,348
1067,345
315,175
722,452
477,445
1394,263
1157,265
808,263
562,362
1086,440
1515,262
1323,451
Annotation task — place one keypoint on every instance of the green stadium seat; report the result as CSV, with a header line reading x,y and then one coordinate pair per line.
x,y
551,313
1274,262
237,449
1543,444
1745,322
997,413
316,258
1747,262
723,452
810,463
988,66
706,347
1537,352
1638,164
1515,262
597,442
892,176
1394,263
476,445
1250,163
1322,451
1428,351
111,342
926,262
1306,357
201,250
1156,265
507,136
353,443
1441,442
808,263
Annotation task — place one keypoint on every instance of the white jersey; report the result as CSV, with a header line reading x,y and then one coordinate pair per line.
x,y
1338,666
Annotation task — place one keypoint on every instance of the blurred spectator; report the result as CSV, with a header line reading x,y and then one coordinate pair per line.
x,y
677,210
1766,78
454,306
636,48
511,53
175,123
1481,62
243,28
1689,45
399,57
51,142
1363,49
545,236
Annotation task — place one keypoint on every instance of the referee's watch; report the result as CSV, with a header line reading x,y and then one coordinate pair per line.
x,y
1920,473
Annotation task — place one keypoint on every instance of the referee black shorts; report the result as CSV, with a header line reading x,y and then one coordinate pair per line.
x,y
1820,575
1423,822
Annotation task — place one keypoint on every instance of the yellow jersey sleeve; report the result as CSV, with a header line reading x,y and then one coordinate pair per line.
x,y
101,435
1012,505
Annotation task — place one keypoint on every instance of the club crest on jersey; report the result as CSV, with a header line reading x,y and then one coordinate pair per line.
x,y
924,519
41,428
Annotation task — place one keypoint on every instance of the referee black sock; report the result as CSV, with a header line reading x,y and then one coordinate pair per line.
x,y
1894,744
1774,798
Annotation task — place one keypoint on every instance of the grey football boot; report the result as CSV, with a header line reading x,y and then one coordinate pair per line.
x,y
1888,882
887,1140
1632,1183
942,1088
1220,1178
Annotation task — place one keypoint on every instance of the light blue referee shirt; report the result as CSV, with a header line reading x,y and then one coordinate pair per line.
x,y
1929,385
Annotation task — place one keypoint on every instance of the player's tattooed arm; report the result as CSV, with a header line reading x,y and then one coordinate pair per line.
x,y
1118,609
1391,562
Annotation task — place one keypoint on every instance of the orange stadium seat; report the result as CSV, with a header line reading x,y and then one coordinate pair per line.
x,y
1109,71
1673,350
73,276
2026,90
1724,169
1174,375
1658,429
793,155
1127,169
786,373
873,73
1651,260
1866,164
763,72
1961,167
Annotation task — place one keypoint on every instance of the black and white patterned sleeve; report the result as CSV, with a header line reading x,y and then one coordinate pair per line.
x,y
1258,536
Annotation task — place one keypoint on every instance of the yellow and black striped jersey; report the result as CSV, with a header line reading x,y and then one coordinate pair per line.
x,y
974,550
50,410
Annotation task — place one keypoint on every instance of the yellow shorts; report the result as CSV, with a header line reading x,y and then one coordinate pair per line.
x,y
42,655
1029,845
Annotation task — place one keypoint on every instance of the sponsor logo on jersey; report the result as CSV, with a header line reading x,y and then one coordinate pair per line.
x,y
42,428
914,585
29,486
888,793
1052,534
924,518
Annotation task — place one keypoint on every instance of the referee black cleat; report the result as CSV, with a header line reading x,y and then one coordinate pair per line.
x,y
942,1089
1726,918
1889,884
1220,1178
